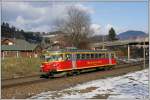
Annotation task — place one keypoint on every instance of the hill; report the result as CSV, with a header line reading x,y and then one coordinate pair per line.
x,y
131,35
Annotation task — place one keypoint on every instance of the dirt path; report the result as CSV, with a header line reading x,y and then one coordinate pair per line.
x,y
26,91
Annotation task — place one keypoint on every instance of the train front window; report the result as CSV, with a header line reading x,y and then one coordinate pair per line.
x,y
55,58
42,57
68,56
112,55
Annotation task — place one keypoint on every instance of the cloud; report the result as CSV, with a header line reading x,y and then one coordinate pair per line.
x,y
117,29
96,28
100,29
109,26
13,9
41,28
36,16
84,8
26,16
104,29
20,20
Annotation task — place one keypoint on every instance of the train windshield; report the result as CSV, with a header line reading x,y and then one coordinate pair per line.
x,y
54,58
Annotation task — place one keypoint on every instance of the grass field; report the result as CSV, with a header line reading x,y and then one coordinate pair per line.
x,y
16,67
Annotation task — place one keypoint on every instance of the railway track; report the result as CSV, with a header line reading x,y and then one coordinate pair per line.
x,y
36,78
5,79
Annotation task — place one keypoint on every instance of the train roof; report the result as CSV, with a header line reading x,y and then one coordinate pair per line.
x,y
77,50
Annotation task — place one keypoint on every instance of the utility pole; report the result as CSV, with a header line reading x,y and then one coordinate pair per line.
x,y
103,42
144,53
14,36
128,52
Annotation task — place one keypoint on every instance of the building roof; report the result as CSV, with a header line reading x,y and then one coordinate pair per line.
x,y
20,45
11,40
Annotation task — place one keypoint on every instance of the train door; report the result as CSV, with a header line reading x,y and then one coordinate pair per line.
x,y
74,58
110,61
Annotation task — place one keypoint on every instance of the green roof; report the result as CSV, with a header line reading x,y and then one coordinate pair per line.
x,y
20,45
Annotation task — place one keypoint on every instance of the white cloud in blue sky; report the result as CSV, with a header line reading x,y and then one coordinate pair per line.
x,y
29,17
39,16
122,16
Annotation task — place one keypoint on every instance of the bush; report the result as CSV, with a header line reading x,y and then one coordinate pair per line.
x,y
23,66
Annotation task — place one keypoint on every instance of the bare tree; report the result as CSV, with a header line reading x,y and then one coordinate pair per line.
x,y
77,25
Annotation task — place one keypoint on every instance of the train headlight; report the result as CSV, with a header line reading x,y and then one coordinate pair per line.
x,y
41,66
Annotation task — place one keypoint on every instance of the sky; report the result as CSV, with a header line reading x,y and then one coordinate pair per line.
x,y
40,16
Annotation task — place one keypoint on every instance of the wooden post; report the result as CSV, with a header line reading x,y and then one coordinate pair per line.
x,y
6,52
3,54
27,53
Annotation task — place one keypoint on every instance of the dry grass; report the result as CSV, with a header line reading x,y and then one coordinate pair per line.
x,y
14,67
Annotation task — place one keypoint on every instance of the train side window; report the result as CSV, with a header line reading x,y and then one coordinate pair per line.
x,y
96,55
68,56
92,56
106,55
88,56
99,55
78,56
102,55
83,56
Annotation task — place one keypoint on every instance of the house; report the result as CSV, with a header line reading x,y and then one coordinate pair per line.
x,y
7,42
19,48
57,39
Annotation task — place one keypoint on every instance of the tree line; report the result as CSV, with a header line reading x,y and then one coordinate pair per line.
x,y
10,31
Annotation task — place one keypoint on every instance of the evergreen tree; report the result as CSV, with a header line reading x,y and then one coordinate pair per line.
x,y
112,35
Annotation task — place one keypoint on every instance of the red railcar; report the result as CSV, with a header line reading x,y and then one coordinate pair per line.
x,y
76,60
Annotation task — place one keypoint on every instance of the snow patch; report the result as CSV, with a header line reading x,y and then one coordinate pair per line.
x,y
132,85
